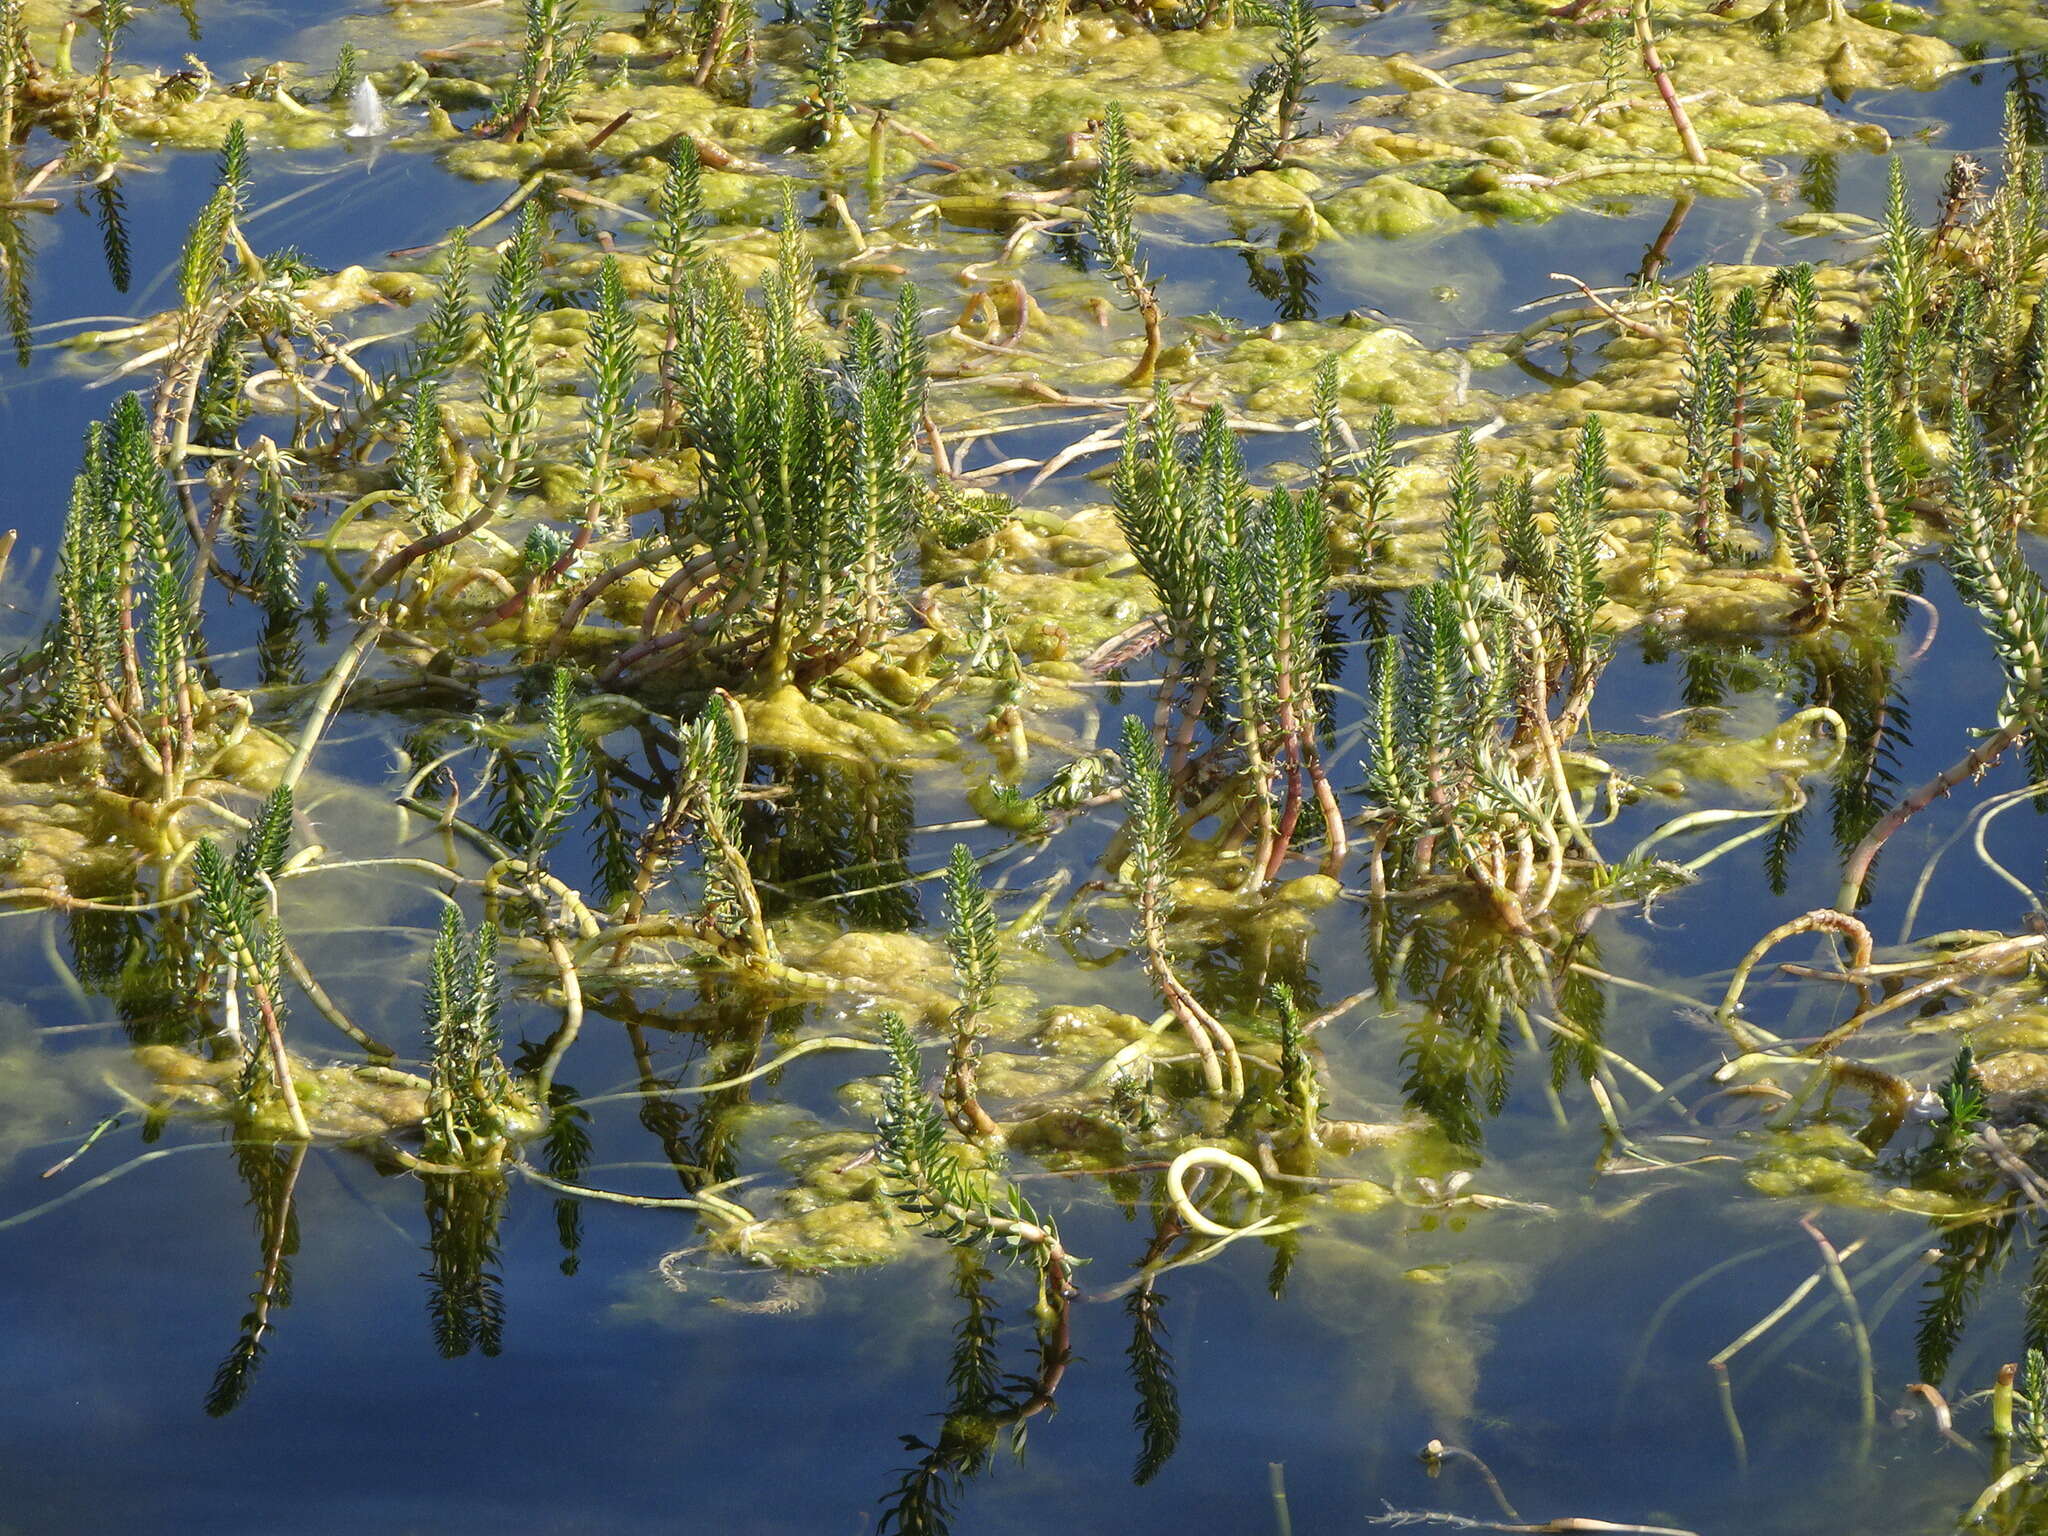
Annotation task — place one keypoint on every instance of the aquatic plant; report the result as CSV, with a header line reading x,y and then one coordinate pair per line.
x,y
552,64
711,769
1300,1093
974,944
121,650
808,629
1242,584
612,360
348,73
809,482
1114,230
1653,65
240,905
719,35
839,23
509,380
467,1122
1152,827
1472,708
96,139
1962,1098
944,1195
1269,118
673,257
2011,601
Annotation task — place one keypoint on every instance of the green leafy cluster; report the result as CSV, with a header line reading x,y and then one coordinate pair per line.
x,y
1492,670
552,65
840,23
612,363
510,380
1242,582
975,945
810,479
928,1180
1964,1103
564,769
712,769
238,905
466,1121
1269,117
121,648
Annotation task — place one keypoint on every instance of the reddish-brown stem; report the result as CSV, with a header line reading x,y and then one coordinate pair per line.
x,y
1655,65
1986,752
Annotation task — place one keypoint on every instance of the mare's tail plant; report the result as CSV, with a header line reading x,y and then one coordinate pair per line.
x,y
1152,831
1115,233
708,780
840,24
467,1122
122,648
1242,582
348,73
238,901
98,140
1375,477
1300,1091
611,373
676,252
975,945
510,377
1270,116
1706,414
936,1189
552,64
809,484
557,790
1992,575
510,391
705,806
718,34
1495,673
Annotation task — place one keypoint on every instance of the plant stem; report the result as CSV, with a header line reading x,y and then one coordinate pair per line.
x,y
1987,752
1639,11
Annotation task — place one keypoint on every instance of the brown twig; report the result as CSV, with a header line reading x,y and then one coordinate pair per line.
x,y
1986,753
1639,11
